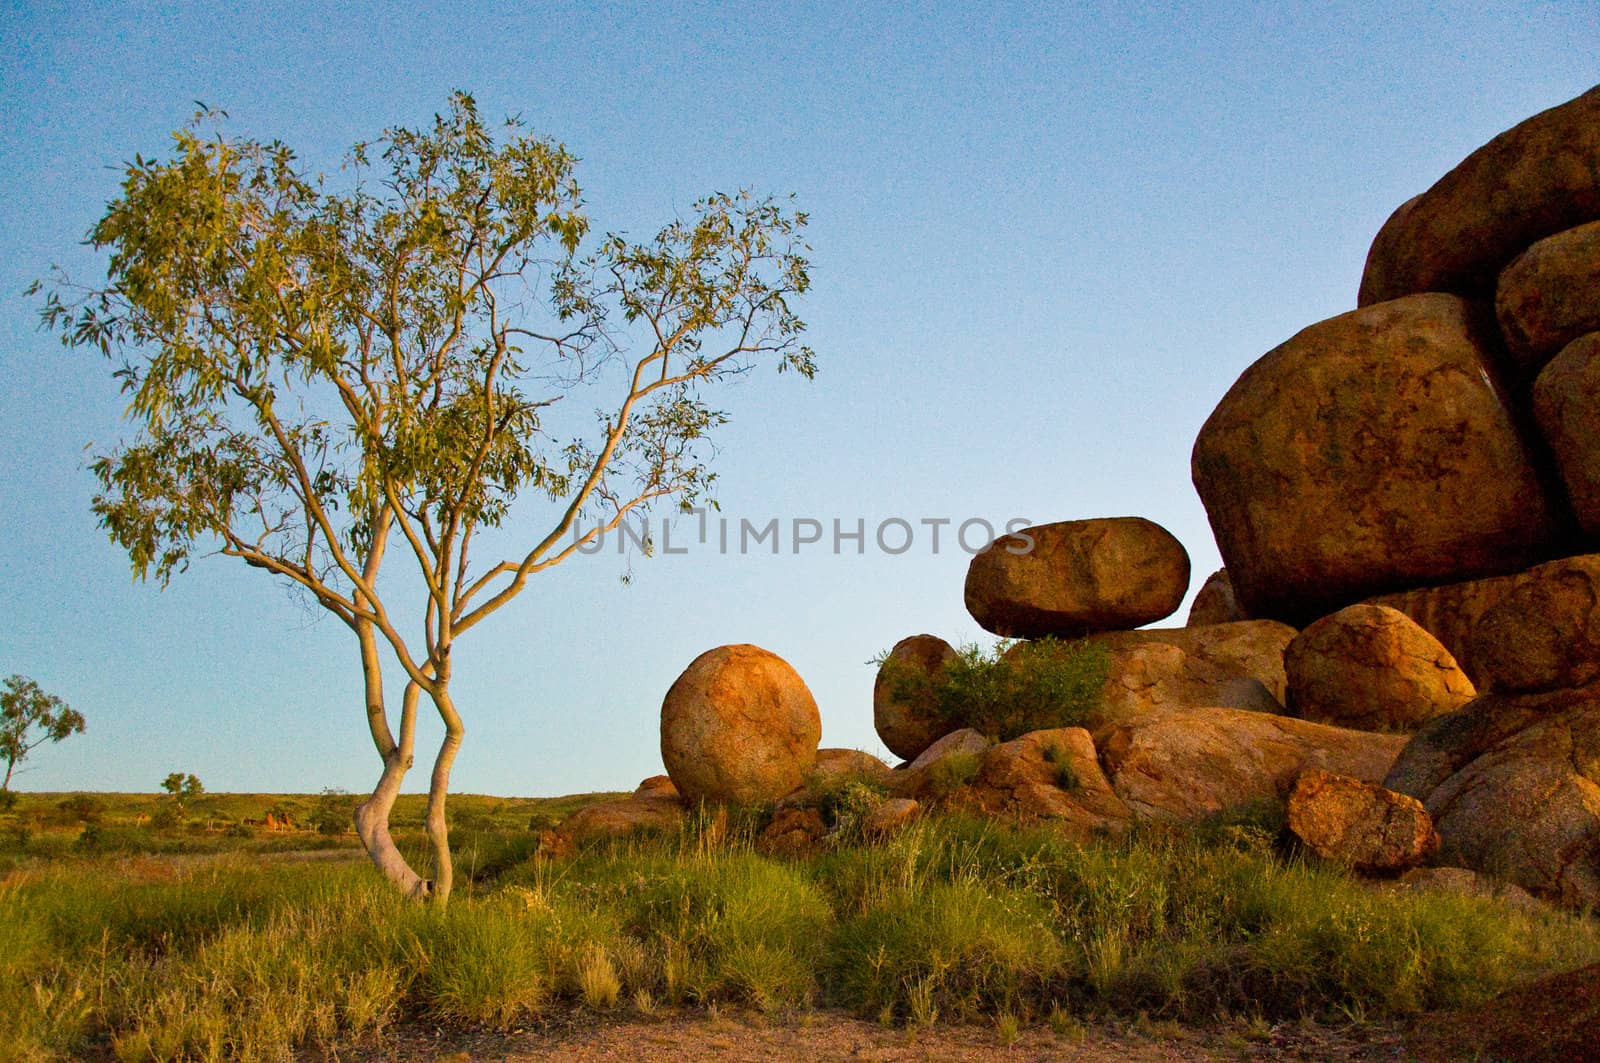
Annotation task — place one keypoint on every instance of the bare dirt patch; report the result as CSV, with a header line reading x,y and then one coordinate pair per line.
x,y
826,1035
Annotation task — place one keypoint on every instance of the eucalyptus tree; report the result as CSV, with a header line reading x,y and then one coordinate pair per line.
x,y
29,718
323,371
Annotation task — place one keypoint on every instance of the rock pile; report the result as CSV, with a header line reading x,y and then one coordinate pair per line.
x,y
1416,483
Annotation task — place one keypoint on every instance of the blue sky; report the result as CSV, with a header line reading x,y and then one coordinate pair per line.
x,y
1047,238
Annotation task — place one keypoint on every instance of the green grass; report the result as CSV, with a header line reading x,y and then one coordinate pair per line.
x,y
955,919
1010,689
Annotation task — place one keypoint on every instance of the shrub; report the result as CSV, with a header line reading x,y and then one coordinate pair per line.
x,y
1011,689
334,811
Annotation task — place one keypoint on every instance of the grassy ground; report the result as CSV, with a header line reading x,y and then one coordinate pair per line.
x,y
246,955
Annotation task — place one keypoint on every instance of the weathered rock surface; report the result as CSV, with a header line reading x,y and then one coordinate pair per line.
x,y
903,710
1370,453
1451,612
656,786
1449,743
1053,775
1077,577
1538,178
655,813
1372,668
792,832
922,776
1196,763
1155,677
1566,403
1550,296
890,816
1356,823
1543,635
836,764
1250,648
1215,603
739,725
1528,809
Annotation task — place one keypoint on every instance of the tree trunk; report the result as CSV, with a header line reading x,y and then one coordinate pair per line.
x,y
372,815
439,786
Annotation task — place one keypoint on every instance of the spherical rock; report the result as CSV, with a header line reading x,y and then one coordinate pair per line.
x,y
1550,296
739,726
1372,668
1356,823
1077,577
1371,453
1566,403
903,708
1536,179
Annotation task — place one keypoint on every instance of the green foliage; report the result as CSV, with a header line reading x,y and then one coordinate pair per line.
x,y
1010,689
953,771
183,788
334,811
28,718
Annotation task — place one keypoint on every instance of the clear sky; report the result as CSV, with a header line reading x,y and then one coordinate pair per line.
x,y
1048,237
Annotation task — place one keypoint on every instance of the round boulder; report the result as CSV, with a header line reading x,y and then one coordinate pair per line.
x,y
739,726
1566,403
1544,635
903,704
1077,577
1550,295
1361,825
1370,453
1372,668
1534,180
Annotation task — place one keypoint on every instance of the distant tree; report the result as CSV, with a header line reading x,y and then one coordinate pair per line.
x,y
331,813
29,718
183,788
314,372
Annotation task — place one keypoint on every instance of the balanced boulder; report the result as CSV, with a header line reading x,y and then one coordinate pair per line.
x,y
1566,403
1536,179
1356,823
1370,453
1372,668
905,711
740,726
1550,295
1197,763
1077,577
1215,603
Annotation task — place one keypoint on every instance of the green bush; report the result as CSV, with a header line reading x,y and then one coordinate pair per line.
x,y
1009,690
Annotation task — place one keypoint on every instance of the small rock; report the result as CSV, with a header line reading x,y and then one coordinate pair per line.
x,y
657,786
903,708
739,726
618,819
890,817
1372,668
1076,577
1464,882
792,832
1216,602
1356,823
919,778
